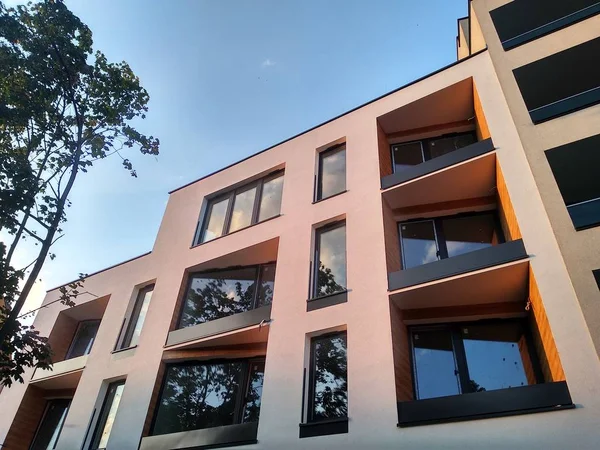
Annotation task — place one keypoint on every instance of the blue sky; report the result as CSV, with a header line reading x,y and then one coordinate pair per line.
x,y
227,79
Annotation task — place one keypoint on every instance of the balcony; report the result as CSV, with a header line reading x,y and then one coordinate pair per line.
x,y
227,301
63,375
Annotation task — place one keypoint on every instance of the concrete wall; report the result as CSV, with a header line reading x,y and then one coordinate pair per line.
x,y
366,315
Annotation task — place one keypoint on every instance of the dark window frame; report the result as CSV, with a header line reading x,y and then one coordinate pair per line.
x,y
134,316
317,255
323,154
424,145
244,383
104,412
311,375
68,355
45,414
440,238
230,197
258,279
459,351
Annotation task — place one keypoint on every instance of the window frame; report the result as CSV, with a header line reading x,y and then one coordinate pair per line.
x,y
317,255
45,414
103,416
230,197
71,345
459,353
440,237
135,313
257,279
426,155
243,384
312,371
336,148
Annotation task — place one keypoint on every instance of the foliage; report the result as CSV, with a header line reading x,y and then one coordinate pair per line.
x,y
326,283
331,379
63,107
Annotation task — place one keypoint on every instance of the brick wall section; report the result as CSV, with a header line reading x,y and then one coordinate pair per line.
x,y
400,346
392,242
508,219
61,336
385,154
542,335
26,420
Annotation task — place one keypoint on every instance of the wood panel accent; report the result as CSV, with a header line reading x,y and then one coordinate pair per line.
x,y
61,336
435,208
542,335
508,219
26,420
481,126
385,153
154,399
401,352
464,312
439,128
391,238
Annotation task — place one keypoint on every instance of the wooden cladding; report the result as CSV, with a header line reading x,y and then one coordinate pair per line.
x,y
508,219
481,126
26,420
401,352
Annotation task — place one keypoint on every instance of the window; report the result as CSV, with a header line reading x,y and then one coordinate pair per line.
x,y
596,274
329,275
425,241
138,316
460,359
107,415
331,179
575,168
210,394
242,207
84,338
51,425
328,388
410,154
222,293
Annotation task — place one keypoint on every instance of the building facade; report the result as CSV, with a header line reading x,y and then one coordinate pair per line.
x,y
416,273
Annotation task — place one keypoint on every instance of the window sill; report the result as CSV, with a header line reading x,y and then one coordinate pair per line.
x,y
484,405
585,214
124,349
565,106
324,427
331,196
326,300
236,231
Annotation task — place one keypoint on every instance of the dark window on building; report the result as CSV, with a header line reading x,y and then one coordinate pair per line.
x,y
51,425
242,207
222,293
410,154
328,388
329,274
331,179
84,338
429,240
575,168
107,416
519,22
561,83
476,357
138,316
205,395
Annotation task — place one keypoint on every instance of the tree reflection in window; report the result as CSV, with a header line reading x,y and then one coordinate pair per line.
x,y
329,380
206,395
214,295
330,252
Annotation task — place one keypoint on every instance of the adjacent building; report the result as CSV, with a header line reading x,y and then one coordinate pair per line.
x,y
419,272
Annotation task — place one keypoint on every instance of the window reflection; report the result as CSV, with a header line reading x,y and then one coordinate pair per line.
x,y
243,205
270,202
331,272
467,234
329,378
407,155
51,425
138,316
216,220
441,146
107,415
254,394
83,339
332,172
419,245
266,286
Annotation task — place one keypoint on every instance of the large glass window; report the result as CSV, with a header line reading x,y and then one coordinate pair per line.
x,y
51,425
138,316
456,359
205,395
222,293
332,172
425,241
328,390
242,207
330,260
107,415
83,339
410,154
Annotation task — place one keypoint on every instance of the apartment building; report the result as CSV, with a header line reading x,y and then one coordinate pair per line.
x,y
419,272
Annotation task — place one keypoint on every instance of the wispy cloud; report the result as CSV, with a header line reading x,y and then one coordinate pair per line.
x,y
268,63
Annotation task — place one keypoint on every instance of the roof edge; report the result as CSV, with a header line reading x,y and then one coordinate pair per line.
x,y
102,270
455,63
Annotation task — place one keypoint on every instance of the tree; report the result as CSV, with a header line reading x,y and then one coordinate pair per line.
x,y
62,108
